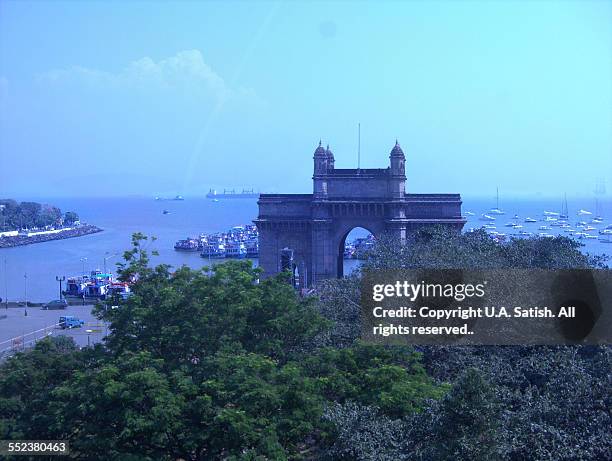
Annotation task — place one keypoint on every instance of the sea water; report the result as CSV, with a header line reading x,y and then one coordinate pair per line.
x,y
121,217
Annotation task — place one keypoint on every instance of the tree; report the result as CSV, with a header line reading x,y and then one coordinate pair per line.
x,y
70,217
26,382
552,398
466,425
189,314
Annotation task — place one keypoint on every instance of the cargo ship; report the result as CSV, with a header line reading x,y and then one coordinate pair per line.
x,y
231,193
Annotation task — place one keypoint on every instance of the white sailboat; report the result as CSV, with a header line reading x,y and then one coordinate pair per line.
x,y
497,210
564,210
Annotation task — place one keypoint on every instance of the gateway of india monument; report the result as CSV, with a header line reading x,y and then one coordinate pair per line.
x,y
305,233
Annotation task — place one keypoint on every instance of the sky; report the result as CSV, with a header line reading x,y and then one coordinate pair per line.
x,y
162,98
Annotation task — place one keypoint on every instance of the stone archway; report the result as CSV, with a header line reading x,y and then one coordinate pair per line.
x,y
315,225
343,229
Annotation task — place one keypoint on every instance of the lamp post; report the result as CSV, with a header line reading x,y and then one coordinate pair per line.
x,y
83,266
60,280
106,258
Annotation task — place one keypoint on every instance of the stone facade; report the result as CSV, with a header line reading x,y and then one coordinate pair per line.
x,y
312,228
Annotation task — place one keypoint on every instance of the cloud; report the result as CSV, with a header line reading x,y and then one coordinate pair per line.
x,y
185,70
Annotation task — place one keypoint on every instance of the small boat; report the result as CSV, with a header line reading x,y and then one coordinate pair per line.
x,y
583,213
544,234
550,213
165,212
544,228
530,220
525,233
215,200
489,226
606,239
549,218
486,217
588,236
469,213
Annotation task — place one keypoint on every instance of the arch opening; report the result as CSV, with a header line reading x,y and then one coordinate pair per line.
x,y
351,248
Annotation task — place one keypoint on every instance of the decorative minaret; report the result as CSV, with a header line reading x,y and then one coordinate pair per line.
x,y
321,166
330,158
398,172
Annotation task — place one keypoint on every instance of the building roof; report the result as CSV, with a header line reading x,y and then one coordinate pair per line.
x,y
320,149
397,150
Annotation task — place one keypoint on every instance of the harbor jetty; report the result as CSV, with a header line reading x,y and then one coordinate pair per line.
x,y
18,238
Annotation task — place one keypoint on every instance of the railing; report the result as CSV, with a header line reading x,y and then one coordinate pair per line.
x,y
11,346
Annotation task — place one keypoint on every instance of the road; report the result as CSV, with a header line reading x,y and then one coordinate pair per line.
x,y
18,330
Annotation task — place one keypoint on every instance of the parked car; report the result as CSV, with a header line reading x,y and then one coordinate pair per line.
x,y
70,321
56,304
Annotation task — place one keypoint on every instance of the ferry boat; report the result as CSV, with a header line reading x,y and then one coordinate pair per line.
x,y
214,251
252,247
95,285
188,244
349,250
235,250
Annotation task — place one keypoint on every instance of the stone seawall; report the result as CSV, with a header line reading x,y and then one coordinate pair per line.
x,y
9,242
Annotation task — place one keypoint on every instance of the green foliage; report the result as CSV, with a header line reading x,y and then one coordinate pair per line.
x,y
217,364
364,433
439,247
70,217
15,215
546,403
189,314
466,425
390,378
26,382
